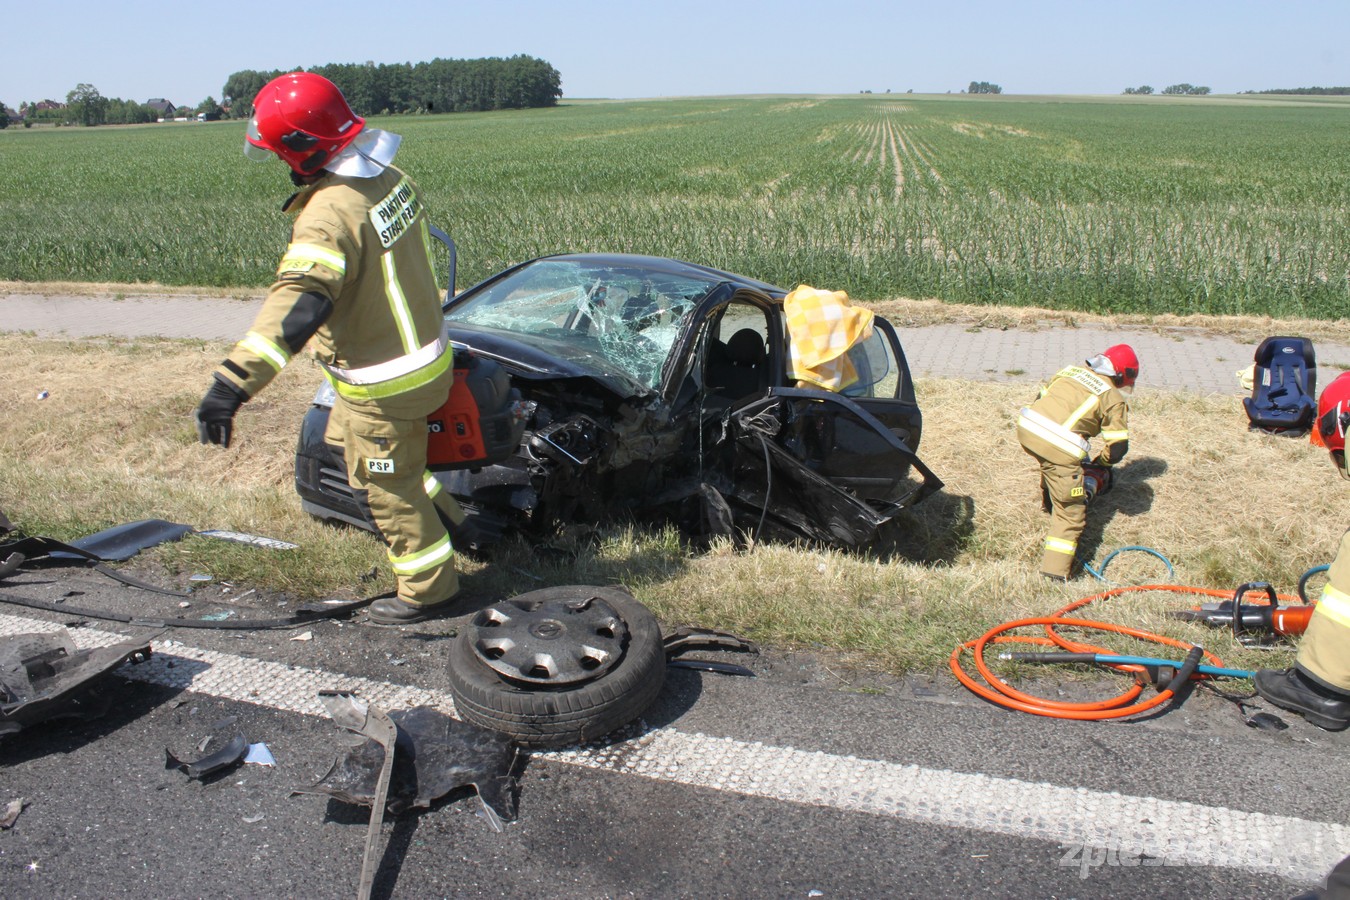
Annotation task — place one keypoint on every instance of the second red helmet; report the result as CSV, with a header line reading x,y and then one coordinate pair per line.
x,y
1119,362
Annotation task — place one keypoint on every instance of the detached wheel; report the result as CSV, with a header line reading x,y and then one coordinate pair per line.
x,y
559,665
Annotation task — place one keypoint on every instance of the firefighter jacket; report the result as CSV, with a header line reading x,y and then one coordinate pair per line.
x,y
1076,405
357,278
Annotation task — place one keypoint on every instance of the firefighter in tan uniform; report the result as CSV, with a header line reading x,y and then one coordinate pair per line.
x,y
1080,402
1318,686
357,279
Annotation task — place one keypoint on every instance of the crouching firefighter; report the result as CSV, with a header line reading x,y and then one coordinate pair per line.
x,y
1079,403
356,278
1318,686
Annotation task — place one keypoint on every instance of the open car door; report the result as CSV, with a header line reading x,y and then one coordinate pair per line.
x,y
817,463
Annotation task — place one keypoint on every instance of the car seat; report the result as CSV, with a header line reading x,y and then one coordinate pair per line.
x,y
1284,387
741,371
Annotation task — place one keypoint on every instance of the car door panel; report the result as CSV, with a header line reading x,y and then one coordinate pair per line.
x,y
839,456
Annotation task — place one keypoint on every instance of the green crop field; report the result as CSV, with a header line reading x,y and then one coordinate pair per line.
x,y
1145,205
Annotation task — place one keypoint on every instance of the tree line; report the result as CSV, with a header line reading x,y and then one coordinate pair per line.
x,y
441,85
1172,89
1319,91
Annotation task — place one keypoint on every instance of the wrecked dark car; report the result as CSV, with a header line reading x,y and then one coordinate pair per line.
x,y
661,390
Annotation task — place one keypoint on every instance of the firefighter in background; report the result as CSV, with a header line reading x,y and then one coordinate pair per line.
x,y
357,278
1080,402
1318,686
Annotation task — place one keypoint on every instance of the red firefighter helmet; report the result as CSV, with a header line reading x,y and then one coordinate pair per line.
x,y
1118,362
302,118
1333,419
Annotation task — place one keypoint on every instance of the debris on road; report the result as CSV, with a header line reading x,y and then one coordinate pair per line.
x,y
44,676
228,755
251,539
434,756
11,813
259,755
687,638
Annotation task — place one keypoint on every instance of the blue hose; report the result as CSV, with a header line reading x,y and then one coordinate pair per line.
x,y
1111,659
1303,581
1176,664
1100,574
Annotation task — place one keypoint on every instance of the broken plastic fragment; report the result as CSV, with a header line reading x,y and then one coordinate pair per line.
x,y
218,616
122,542
434,755
43,395
11,813
199,577
304,636
253,820
368,720
708,665
44,676
259,755
228,755
253,539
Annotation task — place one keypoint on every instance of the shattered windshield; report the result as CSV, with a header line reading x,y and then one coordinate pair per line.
x,y
623,317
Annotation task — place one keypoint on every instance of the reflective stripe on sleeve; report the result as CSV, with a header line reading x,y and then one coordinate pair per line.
x,y
1059,545
415,563
274,355
313,253
1335,605
431,485
1113,436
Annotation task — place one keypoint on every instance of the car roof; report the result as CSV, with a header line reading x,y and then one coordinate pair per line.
x,y
668,265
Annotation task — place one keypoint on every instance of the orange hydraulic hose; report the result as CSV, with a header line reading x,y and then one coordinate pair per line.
x,y
996,691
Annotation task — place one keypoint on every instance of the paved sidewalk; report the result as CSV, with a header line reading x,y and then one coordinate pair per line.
x,y
1172,359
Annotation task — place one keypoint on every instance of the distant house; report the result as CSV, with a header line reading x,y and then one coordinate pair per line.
x,y
10,114
163,108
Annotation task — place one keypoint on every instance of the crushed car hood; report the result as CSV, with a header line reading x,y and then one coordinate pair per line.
x,y
546,358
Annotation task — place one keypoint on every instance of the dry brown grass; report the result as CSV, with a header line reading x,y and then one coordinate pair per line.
x,y
113,442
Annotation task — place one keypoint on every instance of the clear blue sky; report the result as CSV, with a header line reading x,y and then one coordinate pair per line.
x,y
607,48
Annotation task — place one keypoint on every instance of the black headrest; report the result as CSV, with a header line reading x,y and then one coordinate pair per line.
x,y
746,347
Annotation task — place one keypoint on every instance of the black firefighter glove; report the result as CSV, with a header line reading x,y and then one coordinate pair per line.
x,y
215,415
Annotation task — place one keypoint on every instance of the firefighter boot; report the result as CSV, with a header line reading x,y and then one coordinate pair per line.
x,y
397,611
1292,690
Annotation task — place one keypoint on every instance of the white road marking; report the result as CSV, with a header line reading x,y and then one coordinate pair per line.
x,y
1173,832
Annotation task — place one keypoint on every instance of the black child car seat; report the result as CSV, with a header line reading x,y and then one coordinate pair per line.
x,y
1284,387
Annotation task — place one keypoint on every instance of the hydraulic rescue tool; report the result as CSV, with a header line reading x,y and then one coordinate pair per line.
x,y
1252,623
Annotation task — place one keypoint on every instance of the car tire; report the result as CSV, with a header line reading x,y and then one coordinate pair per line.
x,y
544,716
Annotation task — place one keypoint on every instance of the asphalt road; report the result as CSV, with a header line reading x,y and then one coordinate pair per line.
x,y
808,780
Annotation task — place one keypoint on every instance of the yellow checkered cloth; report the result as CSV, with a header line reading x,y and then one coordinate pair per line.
x,y
822,327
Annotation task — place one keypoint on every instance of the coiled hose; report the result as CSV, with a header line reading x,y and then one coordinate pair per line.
x,y
996,691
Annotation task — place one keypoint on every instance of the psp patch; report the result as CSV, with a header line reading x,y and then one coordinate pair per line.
x,y
380,466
